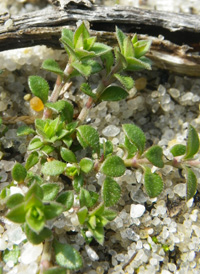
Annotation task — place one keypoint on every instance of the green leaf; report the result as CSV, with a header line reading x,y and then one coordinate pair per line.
x,y
19,173
33,201
154,154
192,146
24,130
69,49
37,238
47,149
95,66
83,69
82,54
88,137
113,93
113,166
100,48
107,148
85,88
83,32
86,165
85,198
39,87
126,81
120,38
82,214
191,183
134,39
36,190
71,171
120,60
35,219
55,270
35,143
72,126
141,48
98,233
178,150
52,210
32,178
52,65
89,42
5,192
32,160
78,182
14,200
53,168
108,60
50,191
67,35
11,255
111,192
98,211
67,155
110,215
135,135
17,214
67,256
92,221
66,198
153,183
128,49
137,64
131,148
64,108
79,44
94,197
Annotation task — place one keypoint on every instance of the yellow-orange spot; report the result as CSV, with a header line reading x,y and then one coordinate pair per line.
x,y
27,97
140,83
36,104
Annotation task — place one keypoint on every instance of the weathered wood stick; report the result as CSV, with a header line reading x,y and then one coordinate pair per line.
x,y
181,31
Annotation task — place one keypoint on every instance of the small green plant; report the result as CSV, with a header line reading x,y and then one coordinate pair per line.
x,y
59,138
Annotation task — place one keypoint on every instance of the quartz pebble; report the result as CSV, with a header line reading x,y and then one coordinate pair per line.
x,y
30,253
137,211
16,235
180,189
111,131
91,253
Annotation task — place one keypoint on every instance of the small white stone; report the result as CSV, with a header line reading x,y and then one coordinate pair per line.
x,y
16,235
8,23
3,244
191,256
111,131
153,261
30,253
165,272
91,253
180,189
137,211
75,220
88,234
14,190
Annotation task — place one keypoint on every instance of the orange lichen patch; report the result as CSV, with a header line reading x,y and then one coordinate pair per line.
x,y
36,104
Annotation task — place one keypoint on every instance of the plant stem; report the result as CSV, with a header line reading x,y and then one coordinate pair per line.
x,y
85,110
57,89
102,85
135,162
46,256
